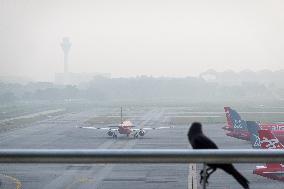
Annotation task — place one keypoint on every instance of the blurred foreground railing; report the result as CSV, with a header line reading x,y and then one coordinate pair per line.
x,y
139,156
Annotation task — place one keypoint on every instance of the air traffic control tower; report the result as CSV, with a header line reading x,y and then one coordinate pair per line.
x,y
69,77
65,45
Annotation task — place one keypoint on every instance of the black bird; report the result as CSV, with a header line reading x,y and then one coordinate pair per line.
x,y
199,141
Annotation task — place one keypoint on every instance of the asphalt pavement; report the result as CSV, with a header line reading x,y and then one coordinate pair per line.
x,y
62,132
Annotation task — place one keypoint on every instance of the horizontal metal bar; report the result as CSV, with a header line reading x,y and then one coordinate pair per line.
x,y
139,156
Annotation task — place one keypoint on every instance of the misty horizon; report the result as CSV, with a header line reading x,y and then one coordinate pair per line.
x,y
127,39
102,76
26,79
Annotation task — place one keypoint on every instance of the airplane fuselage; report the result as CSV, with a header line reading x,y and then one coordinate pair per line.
x,y
276,173
124,130
243,135
272,126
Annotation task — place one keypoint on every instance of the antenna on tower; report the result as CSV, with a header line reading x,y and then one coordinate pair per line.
x,y
121,115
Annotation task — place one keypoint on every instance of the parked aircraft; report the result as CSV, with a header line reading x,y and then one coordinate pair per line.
x,y
270,170
238,128
261,135
254,127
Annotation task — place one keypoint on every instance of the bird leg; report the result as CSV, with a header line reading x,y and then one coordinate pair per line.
x,y
201,176
207,174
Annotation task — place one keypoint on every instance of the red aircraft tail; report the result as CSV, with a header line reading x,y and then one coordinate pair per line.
x,y
269,141
229,125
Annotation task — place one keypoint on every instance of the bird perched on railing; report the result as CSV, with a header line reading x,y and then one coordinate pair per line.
x,y
199,141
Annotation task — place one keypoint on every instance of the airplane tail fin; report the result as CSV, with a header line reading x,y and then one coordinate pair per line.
x,y
274,166
239,177
238,123
268,140
121,120
229,120
234,114
253,128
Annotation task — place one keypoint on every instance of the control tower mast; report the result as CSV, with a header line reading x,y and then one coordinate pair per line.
x,y
65,45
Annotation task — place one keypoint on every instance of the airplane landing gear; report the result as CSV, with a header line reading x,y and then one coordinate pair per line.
x,y
114,136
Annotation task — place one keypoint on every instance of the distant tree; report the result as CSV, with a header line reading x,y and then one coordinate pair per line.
x,y
7,97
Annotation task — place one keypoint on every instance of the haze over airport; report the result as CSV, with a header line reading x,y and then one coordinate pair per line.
x,y
125,39
129,75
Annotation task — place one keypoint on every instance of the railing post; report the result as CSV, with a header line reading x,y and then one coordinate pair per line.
x,y
204,175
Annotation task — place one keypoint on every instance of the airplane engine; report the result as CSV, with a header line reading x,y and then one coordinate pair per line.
x,y
110,133
141,132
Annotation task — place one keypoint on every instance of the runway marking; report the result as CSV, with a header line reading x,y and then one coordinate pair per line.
x,y
80,180
192,177
16,181
196,116
31,115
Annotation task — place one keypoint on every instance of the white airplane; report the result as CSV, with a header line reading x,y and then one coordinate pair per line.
x,y
126,128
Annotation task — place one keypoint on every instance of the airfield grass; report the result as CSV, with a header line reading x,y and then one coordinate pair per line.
x,y
106,114
23,122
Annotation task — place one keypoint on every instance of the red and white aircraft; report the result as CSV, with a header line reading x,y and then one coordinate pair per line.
x,y
126,128
270,170
238,129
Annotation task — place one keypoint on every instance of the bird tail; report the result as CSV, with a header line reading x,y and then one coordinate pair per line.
x,y
239,177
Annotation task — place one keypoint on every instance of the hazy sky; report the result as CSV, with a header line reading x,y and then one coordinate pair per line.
x,y
145,37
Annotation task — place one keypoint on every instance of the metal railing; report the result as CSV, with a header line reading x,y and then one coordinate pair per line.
x,y
140,156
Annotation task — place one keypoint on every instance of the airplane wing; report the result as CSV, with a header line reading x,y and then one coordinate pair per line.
x,y
101,128
152,128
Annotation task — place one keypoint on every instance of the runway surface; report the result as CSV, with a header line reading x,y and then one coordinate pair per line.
x,y
61,132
